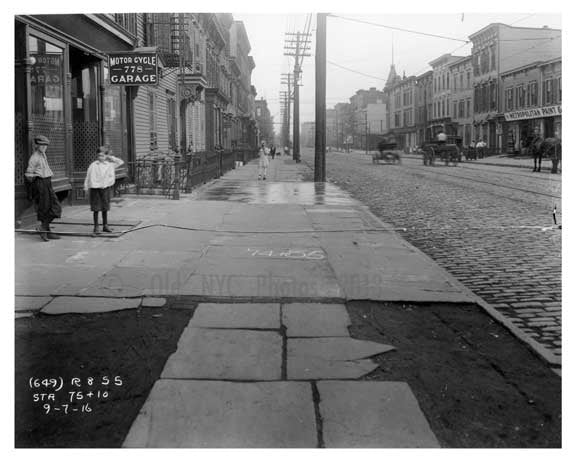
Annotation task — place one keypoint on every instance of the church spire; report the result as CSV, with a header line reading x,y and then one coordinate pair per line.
x,y
392,48
392,75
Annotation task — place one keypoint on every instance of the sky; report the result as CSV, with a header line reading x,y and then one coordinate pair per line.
x,y
365,48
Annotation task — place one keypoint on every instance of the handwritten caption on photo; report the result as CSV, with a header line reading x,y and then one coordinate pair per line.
x,y
57,395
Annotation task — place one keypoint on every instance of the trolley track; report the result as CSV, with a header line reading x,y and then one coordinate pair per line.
x,y
480,181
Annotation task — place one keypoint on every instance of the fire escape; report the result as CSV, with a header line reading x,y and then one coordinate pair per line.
x,y
170,34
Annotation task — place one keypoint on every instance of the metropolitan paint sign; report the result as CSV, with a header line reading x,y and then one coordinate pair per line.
x,y
133,68
539,112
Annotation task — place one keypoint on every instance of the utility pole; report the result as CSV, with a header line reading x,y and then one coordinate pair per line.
x,y
285,98
287,80
298,48
320,147
367,130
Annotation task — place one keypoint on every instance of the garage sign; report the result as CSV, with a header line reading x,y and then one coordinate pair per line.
x,y
133,68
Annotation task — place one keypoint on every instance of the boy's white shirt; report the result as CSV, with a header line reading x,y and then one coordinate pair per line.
x,y
102,174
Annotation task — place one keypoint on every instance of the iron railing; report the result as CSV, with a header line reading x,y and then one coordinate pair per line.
x,y
170,174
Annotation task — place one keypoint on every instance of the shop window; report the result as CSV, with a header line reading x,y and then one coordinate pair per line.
x,y
46,98
46,79
113,117
47,103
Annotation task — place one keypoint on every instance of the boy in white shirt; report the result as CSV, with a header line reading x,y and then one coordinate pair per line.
x,y
100,178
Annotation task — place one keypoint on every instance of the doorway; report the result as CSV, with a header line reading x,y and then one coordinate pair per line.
x,y
84,92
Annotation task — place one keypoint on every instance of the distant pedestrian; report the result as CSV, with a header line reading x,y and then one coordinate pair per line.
x,y
263,162
39,176
481,148
536,149
286,150
441,137
100,178
272,151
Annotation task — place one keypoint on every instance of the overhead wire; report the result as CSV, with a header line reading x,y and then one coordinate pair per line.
x,y
355,71
399,28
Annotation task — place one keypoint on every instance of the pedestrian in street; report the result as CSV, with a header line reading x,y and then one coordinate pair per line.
x,y
39,176
536,149
100,179
286,150
272,151
441,137
480,148
263,162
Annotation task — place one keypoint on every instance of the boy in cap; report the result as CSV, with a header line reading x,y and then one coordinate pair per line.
x,y
40,175
100,178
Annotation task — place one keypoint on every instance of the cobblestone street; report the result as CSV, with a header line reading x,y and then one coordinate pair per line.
x,y
491,227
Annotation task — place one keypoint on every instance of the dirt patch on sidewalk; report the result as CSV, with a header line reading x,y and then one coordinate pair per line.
x,y
478,385
131,346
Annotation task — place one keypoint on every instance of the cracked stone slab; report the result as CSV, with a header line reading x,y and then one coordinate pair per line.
x,y
226,354
77,305
331,358
30,303
153,302
315,320
21,315
216,414
242,315
370,414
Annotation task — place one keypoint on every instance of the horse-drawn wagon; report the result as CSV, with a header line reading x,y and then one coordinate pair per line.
x,y
449,151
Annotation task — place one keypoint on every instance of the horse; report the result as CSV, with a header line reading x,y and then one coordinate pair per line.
x,y
548,147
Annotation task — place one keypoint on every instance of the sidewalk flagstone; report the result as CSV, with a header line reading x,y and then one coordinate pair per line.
x,y
224,287
215,414
370,414
96,257
153,302
155,258
137,281
315,320
46,280
78,305
226,354
331,358
240,315
30,303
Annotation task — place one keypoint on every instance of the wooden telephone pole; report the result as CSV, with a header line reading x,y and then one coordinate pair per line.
x,y
297,47
287,96
320,144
